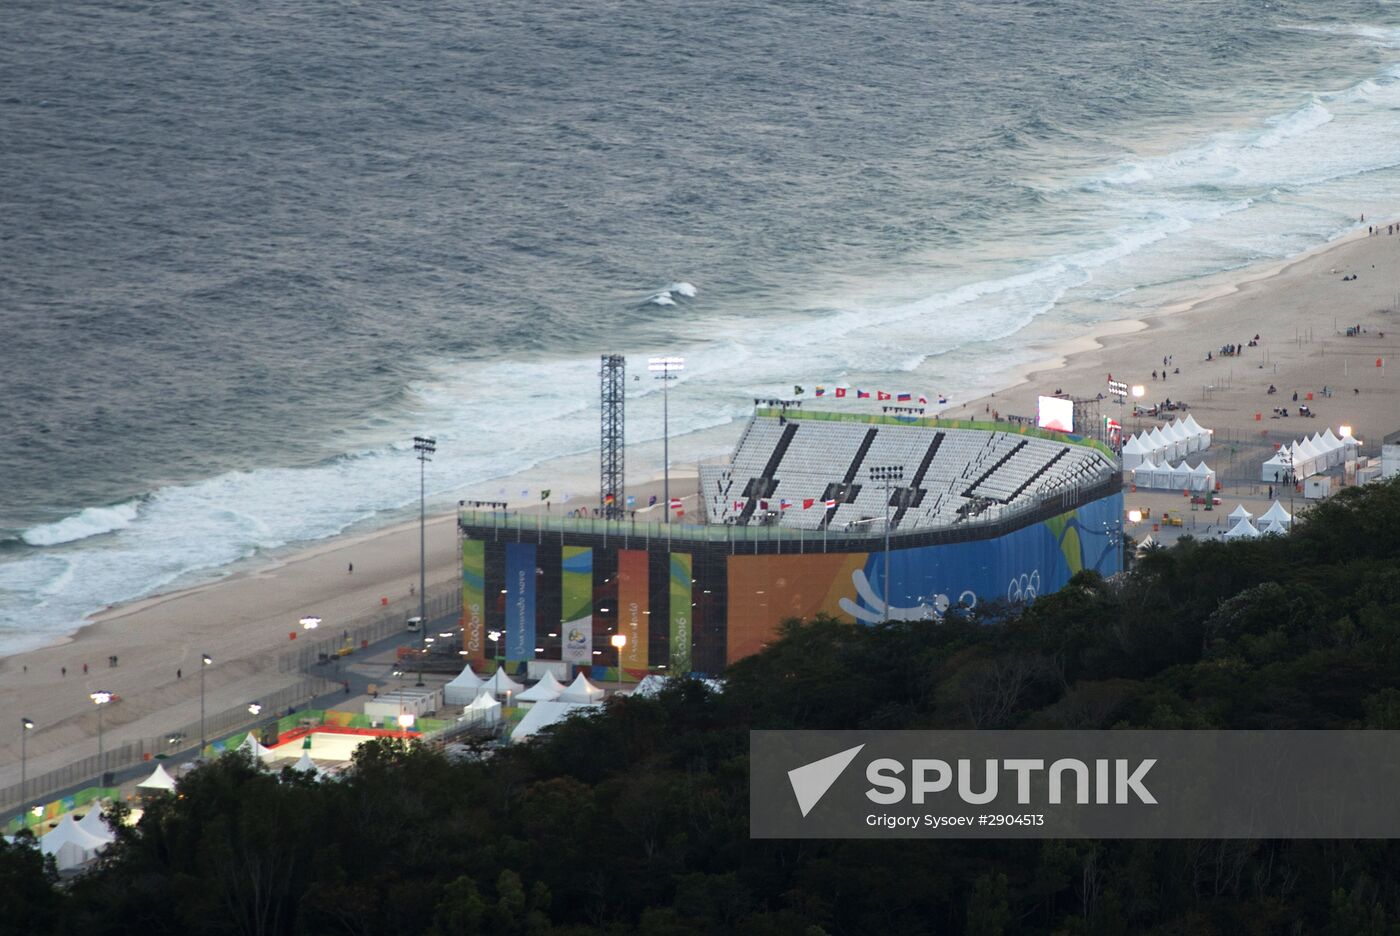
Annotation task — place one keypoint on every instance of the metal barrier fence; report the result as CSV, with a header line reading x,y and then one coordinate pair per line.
x,y
134,752
443,599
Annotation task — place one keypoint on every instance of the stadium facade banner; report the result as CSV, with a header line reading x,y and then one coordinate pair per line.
x,y
681,613
473,597
520,601
924,581
576,596
633,607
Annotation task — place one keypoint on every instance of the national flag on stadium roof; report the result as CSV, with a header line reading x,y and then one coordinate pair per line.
x,y
821,391
882,395
862,394
831,503
784,504
763,505
840,392
738,505
904,397
807,502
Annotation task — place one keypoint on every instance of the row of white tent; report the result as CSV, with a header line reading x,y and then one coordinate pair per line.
x,y
466,687
1274,521
1181,477
1166,443
1309,456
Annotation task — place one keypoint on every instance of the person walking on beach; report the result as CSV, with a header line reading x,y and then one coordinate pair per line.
x,y
84,669
351,569
63,671
179,674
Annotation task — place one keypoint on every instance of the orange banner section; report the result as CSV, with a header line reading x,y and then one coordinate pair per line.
x,y
764,591
633,611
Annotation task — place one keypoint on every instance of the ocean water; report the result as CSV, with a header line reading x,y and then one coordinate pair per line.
x,y
249,250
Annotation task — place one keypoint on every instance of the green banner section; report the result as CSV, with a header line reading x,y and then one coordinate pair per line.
x,y
473,597
576,605
681,600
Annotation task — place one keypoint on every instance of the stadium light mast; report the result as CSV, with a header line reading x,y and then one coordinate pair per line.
x,y
101,697
665,369
425,447
26,725
888,474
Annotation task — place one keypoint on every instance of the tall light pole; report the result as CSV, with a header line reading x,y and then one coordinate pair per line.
x,y
665,370
888,474
495,637
205,661
26,726
101,697
425,447
619,641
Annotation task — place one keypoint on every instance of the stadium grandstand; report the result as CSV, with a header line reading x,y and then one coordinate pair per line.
x,y
794,525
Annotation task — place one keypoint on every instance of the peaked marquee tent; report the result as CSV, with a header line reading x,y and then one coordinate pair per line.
x,y
1242,530
158,780
1276,514
543,714
93,825
70,844
463,688
500,684
581,690
546,690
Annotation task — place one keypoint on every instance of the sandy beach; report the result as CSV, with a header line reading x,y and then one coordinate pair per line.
x,y
1301,310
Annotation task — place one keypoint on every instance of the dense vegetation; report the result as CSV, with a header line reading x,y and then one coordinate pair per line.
x,y
636,822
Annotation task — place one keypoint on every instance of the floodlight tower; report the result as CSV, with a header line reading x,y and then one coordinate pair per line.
x,y
612,380
888,475
666,369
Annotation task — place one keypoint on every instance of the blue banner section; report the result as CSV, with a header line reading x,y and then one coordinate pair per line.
x,y
1017,567
520,601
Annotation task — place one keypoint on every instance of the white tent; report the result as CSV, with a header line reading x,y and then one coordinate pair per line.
x,y
581,690
463,688
1163,449
544,714
1185,442
70,844
1181,477
1332,447
93,825
1242,530
305,764
158,780
1152,451
1277,467
1240,513
1201,433
500,684
1276,514
253,746
1145,474
1275,528
546,690
485,709
1307,460
1351,447
650,685
1133,453
1202,478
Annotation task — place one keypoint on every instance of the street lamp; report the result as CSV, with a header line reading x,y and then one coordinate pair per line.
x,y
205,661
310,623
619,641
495,638
101,697
664,369
425,447
26,726
888,474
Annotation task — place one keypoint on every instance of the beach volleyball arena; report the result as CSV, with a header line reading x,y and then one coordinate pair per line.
x,y
861,517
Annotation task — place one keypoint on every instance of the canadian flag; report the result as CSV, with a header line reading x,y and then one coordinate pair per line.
x,y
738,505
840,392
831,503
881,395
807,502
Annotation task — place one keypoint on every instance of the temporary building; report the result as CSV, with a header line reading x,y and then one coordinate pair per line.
x,y
1145,474
546,690
1202,478
500,684
581,690
650,685
1240,513
1307,460
1181,477
159,780
1163,449
1133,453
463,688
93,825
70,844
254,747
305,764
544,714
1276,514
485,710
1203,435
1275,528
1351,447
1184,440
1277,467
1242,530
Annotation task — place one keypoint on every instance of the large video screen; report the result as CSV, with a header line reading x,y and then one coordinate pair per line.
x,y
1055,413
